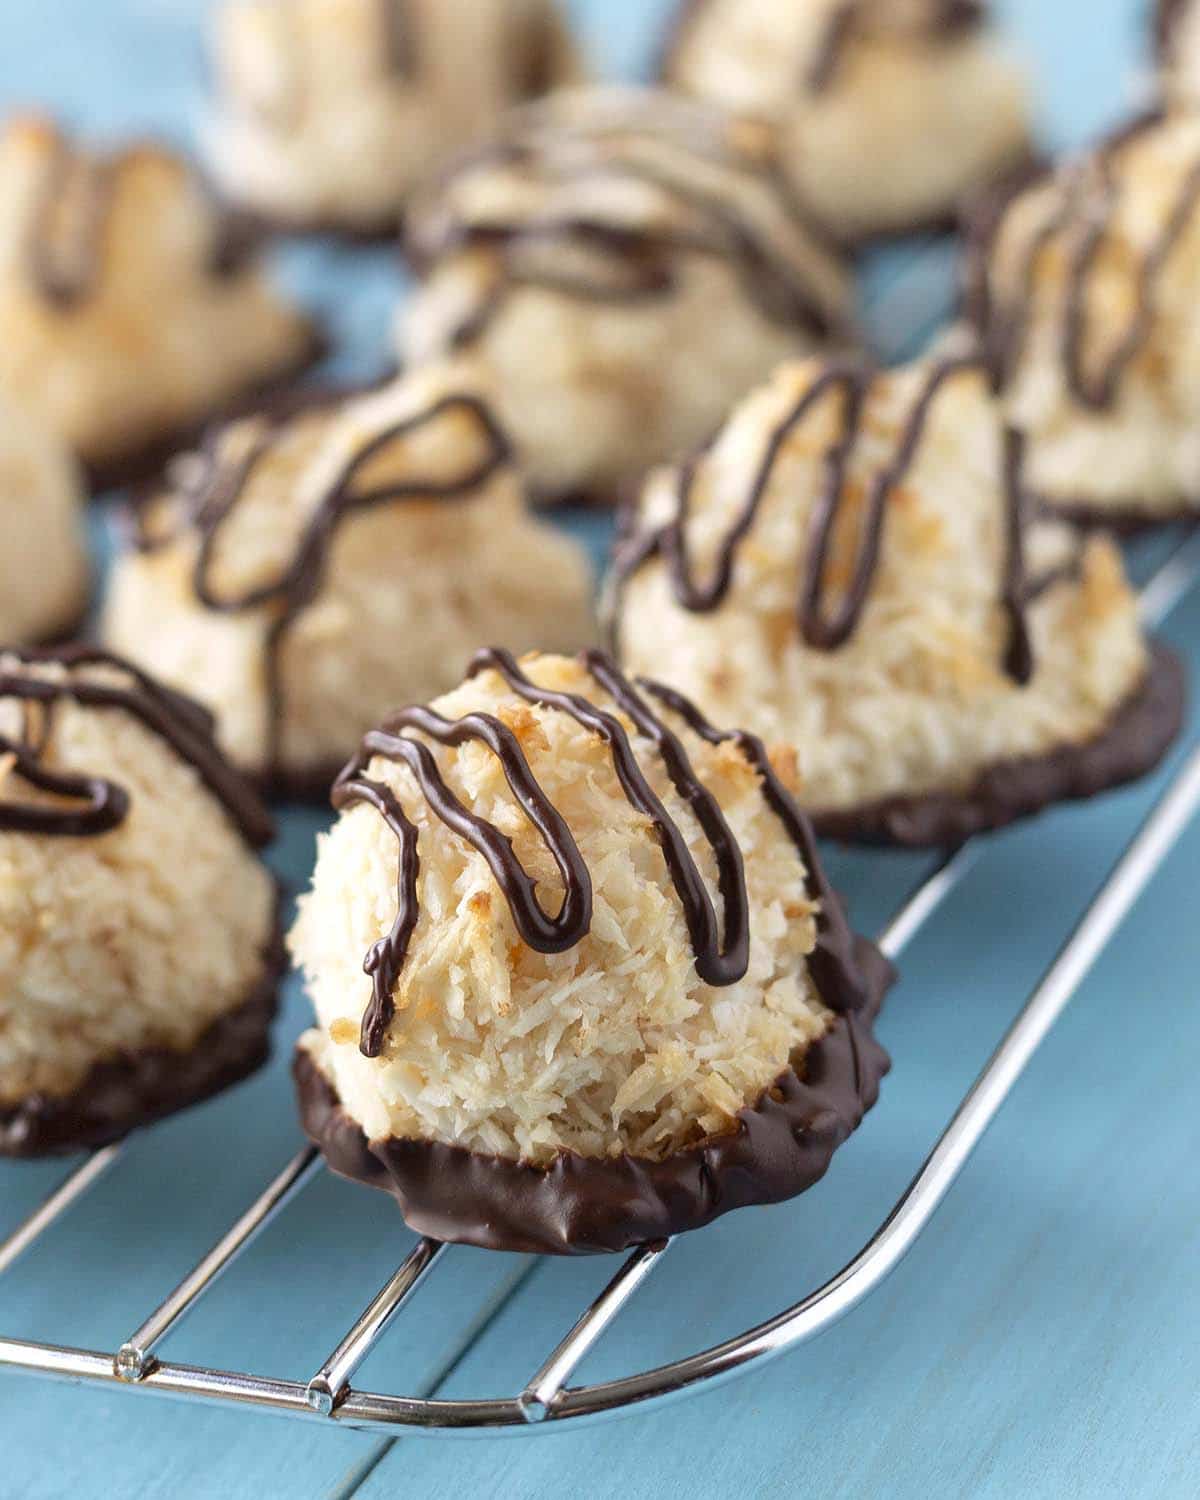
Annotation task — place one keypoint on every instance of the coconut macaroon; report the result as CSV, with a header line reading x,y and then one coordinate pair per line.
x,y
849,570
312,568
130,307
628,264
139,944
580,981
890,111
1177,38
44,570
333,110
1083,291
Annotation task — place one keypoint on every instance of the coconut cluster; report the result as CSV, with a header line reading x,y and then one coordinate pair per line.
x,y
918,699
44,569
365,545
333,110
128,311
132,940
889,113
627,263
614,1045
1085,291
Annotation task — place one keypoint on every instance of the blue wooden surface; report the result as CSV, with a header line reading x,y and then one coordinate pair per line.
x,y
1042,1341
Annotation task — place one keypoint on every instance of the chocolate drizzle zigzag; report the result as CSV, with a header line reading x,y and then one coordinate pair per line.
x,y
821,627
66,262
720,960
1090,195
91,805
641,262
213,494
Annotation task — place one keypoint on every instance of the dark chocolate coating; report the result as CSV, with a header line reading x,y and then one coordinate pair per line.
x,y
1141,732
1123,520
125,1093
99,806
816,626
585,1205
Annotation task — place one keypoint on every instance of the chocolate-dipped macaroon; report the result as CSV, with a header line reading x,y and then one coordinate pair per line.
x,y
312,567
44,569
331,111
579,979
131,307
1083,291
139,945
627,263
890,112
853,570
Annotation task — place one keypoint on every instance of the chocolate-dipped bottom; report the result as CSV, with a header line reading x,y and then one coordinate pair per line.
x,y
582,1205
1139,736
123,1094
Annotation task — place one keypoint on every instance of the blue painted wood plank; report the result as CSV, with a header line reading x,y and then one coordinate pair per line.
x,y
1040,1342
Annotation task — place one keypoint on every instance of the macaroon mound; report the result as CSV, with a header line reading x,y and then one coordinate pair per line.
x,y
853,570
44,569
1083,293
132,307
627,263
139,942
314,566
579,978
889,114
331,111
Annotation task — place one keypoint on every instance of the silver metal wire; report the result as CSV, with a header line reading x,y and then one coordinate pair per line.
x,y
548,1400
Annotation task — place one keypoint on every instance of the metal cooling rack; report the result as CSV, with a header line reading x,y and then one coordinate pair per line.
x,y
548,1399
907,305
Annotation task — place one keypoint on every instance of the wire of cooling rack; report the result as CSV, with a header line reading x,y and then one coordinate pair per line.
x,y
547,1399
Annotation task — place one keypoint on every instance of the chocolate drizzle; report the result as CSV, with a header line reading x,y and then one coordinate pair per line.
x,y
66,261
720,960
95,806
66,273
821,627
211,498
641,261
947,19
1167,17
835,961
1090,195
398,24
